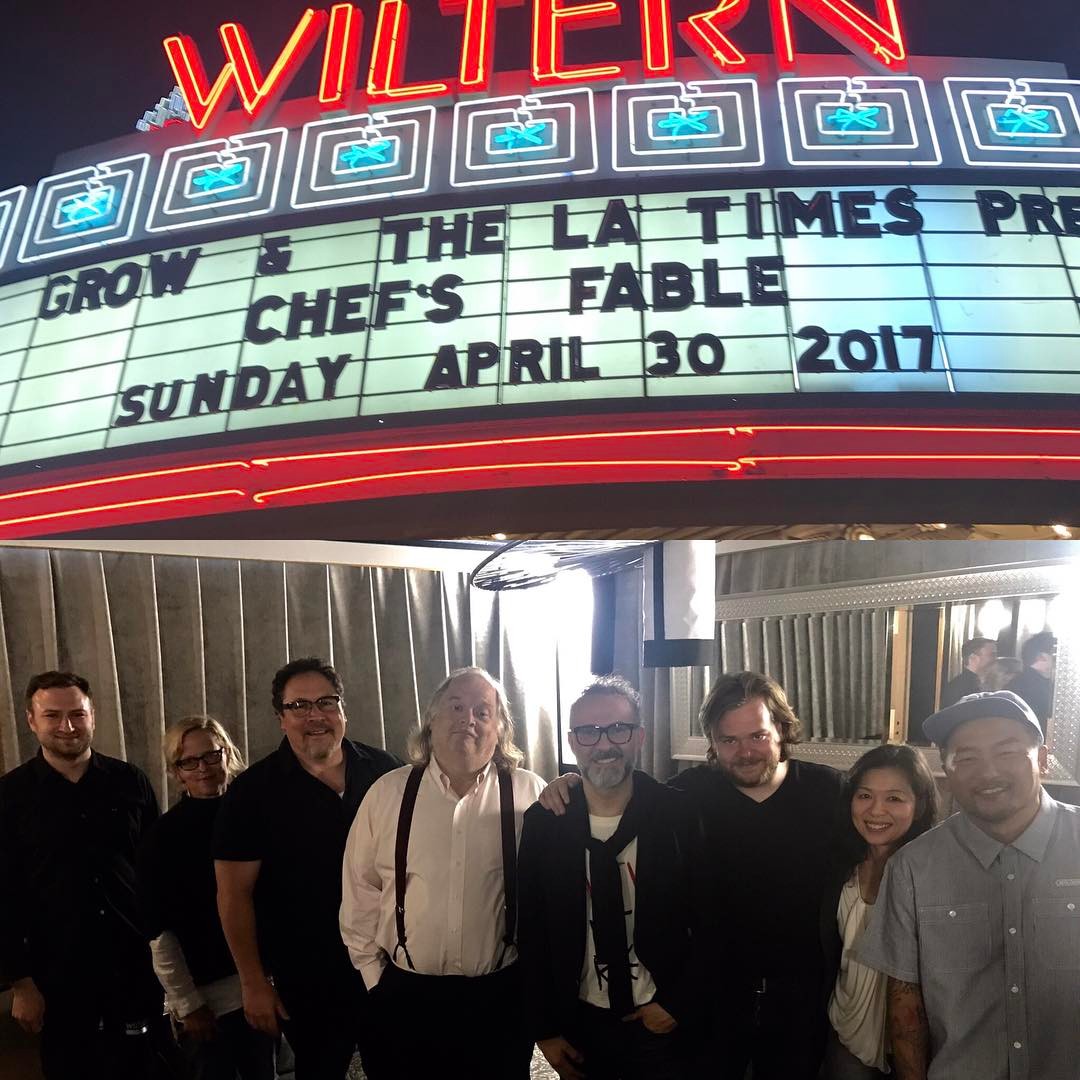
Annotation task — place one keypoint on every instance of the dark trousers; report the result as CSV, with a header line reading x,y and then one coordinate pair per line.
x,y
328,1023
776,1025
78,1044
453,1026
614,1049
842,1064
236,1052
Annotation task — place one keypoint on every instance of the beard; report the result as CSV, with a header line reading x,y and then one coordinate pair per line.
x,y
750,774
69,749
608,774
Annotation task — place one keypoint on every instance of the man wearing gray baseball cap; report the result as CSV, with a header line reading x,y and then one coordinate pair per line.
x,y
977,923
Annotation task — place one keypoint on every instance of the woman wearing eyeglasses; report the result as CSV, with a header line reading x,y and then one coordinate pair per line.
x,y
177,894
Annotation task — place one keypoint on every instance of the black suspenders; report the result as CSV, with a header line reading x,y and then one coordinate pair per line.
x,y
509,857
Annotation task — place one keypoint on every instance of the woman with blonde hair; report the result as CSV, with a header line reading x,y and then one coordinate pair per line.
x,y
178,899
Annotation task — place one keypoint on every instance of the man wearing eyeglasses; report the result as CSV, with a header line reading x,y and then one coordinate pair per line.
x,y
278,847
606,921
71,943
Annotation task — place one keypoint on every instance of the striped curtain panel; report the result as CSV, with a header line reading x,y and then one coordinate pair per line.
x,y
163,637
834,667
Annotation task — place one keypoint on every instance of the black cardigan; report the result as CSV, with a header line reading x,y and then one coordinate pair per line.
x,y
552,930
832,945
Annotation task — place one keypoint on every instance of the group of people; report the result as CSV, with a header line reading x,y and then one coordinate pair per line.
x,y
1028,675
443,917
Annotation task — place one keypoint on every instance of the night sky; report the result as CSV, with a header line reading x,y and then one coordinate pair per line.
x,y
83,71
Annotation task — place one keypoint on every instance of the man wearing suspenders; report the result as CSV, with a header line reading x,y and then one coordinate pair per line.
x,y
429,892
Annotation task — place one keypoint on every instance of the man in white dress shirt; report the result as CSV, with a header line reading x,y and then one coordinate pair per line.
x,y
428,909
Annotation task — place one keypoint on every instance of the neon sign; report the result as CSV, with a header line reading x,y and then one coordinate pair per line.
x,y
878,41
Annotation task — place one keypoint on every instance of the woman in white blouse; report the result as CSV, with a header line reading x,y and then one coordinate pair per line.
x,y
892,799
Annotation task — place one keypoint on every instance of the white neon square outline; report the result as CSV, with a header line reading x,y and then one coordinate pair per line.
x,y
355,170
1026,134
532,103
361,182
57,224
270,141
11,201
1031,88
810,147
189,194
134,177
822,130
422,121
476,120
645,151
713,109
695,89
879,84
531,149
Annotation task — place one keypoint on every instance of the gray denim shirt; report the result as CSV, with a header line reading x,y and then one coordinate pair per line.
x,y
991,933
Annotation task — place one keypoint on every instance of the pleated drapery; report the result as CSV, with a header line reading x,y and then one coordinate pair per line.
x,y
162,636
834,667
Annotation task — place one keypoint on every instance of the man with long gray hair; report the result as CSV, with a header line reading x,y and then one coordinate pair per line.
x,y
428,907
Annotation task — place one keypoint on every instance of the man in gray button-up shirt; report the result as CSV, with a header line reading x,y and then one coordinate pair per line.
x,y
977,923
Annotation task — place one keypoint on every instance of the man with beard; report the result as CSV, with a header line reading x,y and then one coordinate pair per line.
x,y
769,822
605,907
428,907
71,820
978,921
278,844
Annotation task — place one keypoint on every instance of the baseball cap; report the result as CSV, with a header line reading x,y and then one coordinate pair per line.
x,y
1003,703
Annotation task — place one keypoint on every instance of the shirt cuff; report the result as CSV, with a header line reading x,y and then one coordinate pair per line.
x,y
372,972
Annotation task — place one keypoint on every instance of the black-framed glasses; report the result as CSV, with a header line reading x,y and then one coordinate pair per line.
x,y
589,734
328,703
211,757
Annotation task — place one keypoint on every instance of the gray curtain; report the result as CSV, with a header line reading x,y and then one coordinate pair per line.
x,y
834,667
162,637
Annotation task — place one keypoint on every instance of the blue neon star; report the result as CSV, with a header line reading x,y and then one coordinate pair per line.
x,y
228,176
517,138
361,155
88,207
685,124
845,119
1017,121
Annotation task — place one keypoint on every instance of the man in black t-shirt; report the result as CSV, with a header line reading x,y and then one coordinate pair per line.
x,y
71,820
1034,683
768,822
977,654
279,843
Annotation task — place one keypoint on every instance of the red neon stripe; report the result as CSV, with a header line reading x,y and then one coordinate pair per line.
x,y
449,470
122,506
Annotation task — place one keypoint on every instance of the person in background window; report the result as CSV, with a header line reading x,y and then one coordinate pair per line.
x,y
892,799
278,844
428,905
1001,672
975,657
71,820
606,907
977,923
177,894
1034,684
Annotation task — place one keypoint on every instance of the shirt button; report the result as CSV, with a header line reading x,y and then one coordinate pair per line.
x,y
952,914
1012,929
1015,989
1071,907
1011,877
1017,1045
101,911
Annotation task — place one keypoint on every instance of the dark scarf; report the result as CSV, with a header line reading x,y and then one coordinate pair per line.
x,y
609,907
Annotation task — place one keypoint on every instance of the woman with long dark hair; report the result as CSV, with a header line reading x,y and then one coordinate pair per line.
x,y
890,798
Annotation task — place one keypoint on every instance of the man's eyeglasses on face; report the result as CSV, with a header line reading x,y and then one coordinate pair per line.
x,y
330,703
589,734
190,764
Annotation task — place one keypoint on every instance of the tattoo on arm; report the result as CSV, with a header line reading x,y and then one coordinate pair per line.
x,y
909,1030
